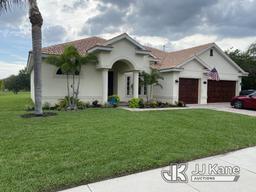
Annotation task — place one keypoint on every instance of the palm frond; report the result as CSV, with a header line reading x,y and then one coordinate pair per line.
x,y
90,58
54,60
6,5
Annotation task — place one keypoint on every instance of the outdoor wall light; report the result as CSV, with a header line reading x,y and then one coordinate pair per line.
x,y
205,82
176,81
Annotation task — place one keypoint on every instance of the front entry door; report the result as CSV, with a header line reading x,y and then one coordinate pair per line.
x,y
110,83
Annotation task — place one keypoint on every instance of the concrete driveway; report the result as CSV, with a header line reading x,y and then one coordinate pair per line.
x,y
152,181
223,107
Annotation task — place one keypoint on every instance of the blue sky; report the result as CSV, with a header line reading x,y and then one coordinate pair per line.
x,y
177,25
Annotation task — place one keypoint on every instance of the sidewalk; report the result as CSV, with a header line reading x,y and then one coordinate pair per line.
x,y
151,181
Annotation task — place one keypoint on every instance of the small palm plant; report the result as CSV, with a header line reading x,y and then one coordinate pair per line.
x,y
70,63
150,80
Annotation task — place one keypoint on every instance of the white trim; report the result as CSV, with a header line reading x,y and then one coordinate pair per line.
x,y
200,61
124,36
99,48
139,52
173,69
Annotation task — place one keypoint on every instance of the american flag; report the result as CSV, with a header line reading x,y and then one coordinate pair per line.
x,y
213,75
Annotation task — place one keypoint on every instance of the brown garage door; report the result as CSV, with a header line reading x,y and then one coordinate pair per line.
x,y
188,90
221,91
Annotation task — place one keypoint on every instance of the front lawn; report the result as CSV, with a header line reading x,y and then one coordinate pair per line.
x,y
72,148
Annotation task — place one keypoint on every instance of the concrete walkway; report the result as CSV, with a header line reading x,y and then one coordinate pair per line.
x,y
223,107
213,106
151,181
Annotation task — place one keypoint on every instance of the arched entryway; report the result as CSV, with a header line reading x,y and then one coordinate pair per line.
x,y
121,79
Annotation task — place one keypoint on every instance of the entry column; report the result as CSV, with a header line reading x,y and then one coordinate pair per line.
x,y
104,86
136,84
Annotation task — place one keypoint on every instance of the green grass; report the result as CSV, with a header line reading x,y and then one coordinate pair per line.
x,y
72,148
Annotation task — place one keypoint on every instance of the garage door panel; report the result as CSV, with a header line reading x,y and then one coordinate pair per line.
x,y
221,91
188,90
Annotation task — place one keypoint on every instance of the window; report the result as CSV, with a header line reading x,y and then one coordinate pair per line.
x,y
59,72
211,52
128,84
140,88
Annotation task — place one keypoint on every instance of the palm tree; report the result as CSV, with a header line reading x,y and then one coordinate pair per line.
x,y
36,21
150,80
70,63
252,50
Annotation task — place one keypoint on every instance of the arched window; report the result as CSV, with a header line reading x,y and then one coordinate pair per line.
x,y
59,72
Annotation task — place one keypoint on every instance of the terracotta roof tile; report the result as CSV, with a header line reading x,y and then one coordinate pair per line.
x,y
172,59
166,59
82,45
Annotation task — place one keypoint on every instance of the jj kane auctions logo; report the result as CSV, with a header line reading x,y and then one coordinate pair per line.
x,y
201,173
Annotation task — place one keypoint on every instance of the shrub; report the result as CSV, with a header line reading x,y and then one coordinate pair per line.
x,y
63,104
153,104
141,103
46,106
134,103
114,100
181,104
81,105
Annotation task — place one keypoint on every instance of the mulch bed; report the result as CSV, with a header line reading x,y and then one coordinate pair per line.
x,y
32,115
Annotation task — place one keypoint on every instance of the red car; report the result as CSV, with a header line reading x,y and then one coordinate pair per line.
x,y
244,101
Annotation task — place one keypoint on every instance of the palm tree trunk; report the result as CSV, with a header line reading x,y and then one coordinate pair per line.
x,y
151,92
73,90
78,83
69,104
36,21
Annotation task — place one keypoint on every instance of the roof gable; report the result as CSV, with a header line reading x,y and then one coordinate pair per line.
x,y
128,38
175,58
225,56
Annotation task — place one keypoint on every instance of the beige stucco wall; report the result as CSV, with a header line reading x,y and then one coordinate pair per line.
x,y
124,50
54,86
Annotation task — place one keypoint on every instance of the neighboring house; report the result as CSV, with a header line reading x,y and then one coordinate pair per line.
x,y
122,58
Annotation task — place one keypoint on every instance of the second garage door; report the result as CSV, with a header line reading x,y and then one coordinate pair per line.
x,y
221,91
188,90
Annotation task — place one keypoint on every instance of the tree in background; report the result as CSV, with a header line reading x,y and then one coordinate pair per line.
x,y
247,61
70,63
16,83
252,50
150,80
36,21
2,86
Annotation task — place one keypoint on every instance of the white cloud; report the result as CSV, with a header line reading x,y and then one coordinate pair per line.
x,y
7,69
55,13
241,43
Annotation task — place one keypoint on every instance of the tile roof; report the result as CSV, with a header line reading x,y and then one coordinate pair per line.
x,y
166,59
172,59
82,45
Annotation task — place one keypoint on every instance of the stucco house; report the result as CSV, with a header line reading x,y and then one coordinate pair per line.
x,y
121,59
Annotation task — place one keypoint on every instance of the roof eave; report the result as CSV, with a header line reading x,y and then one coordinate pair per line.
x,y
100,48
171,69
